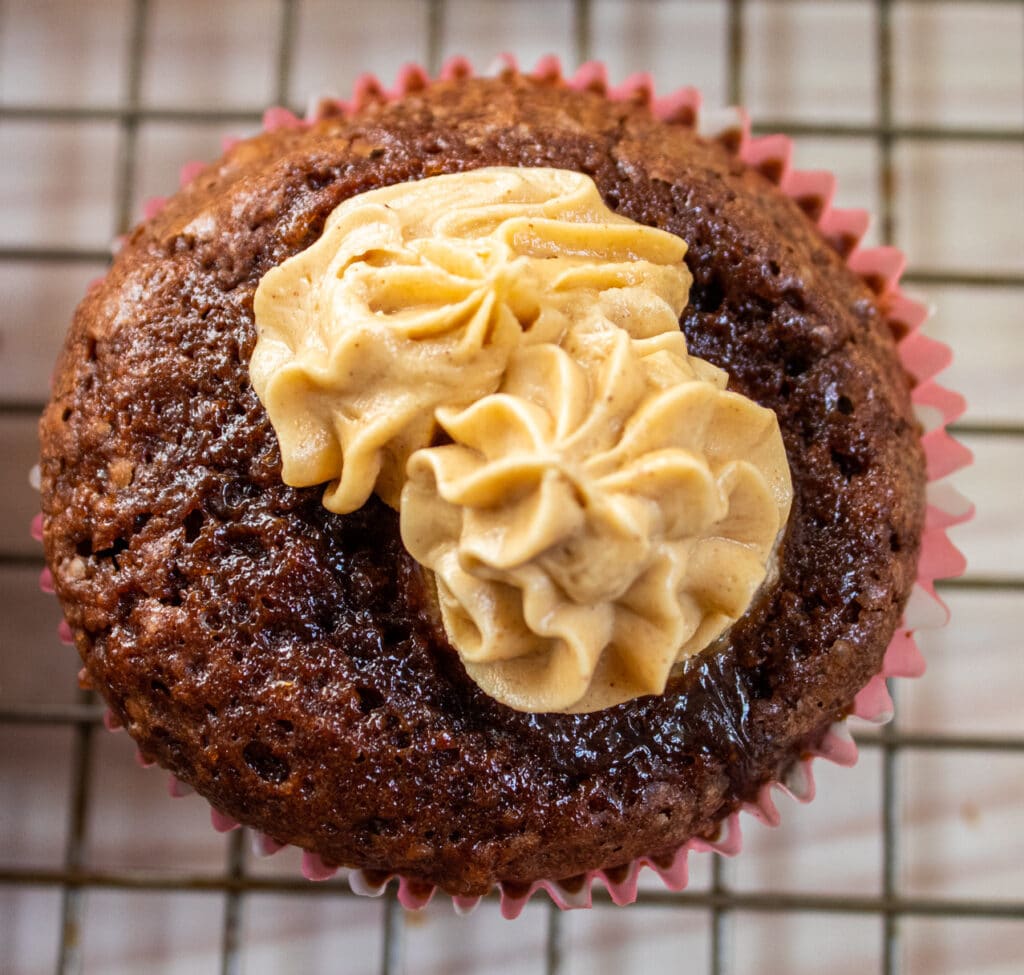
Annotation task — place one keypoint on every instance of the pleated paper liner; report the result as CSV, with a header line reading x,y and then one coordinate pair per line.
x,y
922,357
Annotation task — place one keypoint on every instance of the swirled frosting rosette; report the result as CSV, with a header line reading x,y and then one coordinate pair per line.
x,y
607,513
415,297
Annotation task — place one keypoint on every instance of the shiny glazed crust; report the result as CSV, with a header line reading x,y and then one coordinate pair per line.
x,y
287,662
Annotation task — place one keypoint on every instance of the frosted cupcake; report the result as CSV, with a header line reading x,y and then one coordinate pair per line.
x,y
493,484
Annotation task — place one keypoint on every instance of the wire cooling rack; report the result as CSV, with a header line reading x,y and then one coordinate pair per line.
x,y
997,435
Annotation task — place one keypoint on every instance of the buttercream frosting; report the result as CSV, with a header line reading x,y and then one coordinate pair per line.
x,y
415,296
603,516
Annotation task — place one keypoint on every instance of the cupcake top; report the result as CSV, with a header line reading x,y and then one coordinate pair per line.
x,y
292,663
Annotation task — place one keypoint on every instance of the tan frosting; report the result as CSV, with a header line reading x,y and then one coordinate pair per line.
x,y
604,508
415,297
604,515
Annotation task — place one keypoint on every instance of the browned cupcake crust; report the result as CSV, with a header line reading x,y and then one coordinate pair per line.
x,y
285,661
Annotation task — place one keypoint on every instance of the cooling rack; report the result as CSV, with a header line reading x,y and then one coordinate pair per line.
x,y
919,106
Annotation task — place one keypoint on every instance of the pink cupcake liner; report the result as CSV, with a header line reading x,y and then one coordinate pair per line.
x,y
936,407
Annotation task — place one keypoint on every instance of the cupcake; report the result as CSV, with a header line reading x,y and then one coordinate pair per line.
x,y
494,483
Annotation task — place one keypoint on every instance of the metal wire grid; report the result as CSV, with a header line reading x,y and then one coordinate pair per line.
x,y
74,878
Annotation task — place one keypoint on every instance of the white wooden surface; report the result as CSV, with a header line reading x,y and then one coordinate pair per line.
x,y
959,207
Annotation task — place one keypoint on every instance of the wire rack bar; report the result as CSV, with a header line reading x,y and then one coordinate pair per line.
x,y
231,927
251,116
887,226
769,901
898,133
127,157
392,952
1000,429
34,254
981,583
582,30
285,48
12,112
435,34
721,901
69,957
964,278
22,560
554,942
734,55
